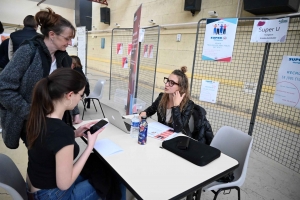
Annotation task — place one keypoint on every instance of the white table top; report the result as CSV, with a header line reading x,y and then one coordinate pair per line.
x,y
156,173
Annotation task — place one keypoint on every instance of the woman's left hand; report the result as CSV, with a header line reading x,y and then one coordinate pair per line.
x,y
177,98
80,130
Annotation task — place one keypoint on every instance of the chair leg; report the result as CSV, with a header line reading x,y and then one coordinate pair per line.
x,y
94,104
217,193
84,109
198,194
239,193
228,188
189,197
101,108
83,104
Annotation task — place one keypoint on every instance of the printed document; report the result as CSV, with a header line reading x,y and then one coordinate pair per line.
x,y
160,131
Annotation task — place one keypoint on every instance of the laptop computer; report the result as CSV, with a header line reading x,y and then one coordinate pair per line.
x,y
115,118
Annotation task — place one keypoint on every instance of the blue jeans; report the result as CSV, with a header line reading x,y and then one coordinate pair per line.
x,y
81,189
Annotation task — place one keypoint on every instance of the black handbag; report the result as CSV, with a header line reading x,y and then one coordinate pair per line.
x,y
198,153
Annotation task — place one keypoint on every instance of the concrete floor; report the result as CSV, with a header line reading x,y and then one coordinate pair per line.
x,y
266,179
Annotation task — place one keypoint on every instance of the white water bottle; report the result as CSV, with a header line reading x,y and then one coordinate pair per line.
x,y
135,126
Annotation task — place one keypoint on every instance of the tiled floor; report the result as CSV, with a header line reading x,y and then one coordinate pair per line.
x,y
266,179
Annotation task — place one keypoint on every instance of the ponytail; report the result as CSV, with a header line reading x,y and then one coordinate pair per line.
x,y
42,105
46,91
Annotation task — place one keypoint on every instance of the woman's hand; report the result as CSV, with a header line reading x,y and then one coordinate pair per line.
x,y
93,137
177,98
142,114
80,131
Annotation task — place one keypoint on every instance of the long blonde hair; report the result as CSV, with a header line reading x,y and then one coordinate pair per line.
x,y
183,82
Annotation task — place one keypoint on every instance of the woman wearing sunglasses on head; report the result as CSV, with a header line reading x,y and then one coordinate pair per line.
x,y
173,107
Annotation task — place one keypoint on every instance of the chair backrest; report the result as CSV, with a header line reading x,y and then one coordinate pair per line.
x,y
98,90
235,144
11,179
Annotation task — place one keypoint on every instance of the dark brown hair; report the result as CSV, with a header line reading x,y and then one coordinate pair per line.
x,y
29,21
183,82
76,61
50,21
47,90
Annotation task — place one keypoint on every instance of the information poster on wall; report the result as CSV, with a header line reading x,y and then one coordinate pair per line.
x,y
150,51
129,48
288,82
119,48
146,51
219,39
81,47
270,31
133,59
124,62
209,91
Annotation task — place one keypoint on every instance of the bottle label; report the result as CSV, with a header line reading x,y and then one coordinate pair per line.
x,y
143,133
135,124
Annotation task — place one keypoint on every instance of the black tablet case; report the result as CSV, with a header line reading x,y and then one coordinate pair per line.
x,y
198,153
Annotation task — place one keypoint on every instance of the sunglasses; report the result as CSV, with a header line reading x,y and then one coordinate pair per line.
x,y
171,83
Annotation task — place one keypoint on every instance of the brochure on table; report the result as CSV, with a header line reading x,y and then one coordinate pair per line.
x,y
160,131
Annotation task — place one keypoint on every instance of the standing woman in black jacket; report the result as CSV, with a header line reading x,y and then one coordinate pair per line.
x,y
173,107
34,60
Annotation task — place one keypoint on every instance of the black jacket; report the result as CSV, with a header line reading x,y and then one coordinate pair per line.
x,y
20,36
202,130
180,122
4,53
17,81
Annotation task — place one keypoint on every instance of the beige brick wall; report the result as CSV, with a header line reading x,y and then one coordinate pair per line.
x,y
171,54
13,12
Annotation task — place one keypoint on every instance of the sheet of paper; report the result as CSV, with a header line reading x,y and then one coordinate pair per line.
x,y
155,128
160,131
165,135
209,91
106,147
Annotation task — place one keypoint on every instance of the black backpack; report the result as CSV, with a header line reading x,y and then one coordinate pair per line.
x,y
202,128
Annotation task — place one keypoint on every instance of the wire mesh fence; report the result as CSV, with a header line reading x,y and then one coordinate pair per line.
x,y
119,74
277,127
148,60
237,79
248,79
121,40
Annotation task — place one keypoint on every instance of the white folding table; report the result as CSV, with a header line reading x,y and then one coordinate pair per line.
x,y
151,172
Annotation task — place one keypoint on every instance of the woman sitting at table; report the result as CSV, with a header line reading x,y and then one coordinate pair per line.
x,y
51,173
173,107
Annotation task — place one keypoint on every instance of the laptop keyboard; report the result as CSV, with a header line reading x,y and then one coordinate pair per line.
x,y
128,126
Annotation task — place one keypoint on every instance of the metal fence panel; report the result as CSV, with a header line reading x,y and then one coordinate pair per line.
x,y
147,67
148,64
246,92
277,127
237,79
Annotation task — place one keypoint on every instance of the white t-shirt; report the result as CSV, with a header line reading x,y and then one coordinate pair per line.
x,y
168,115
53,66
